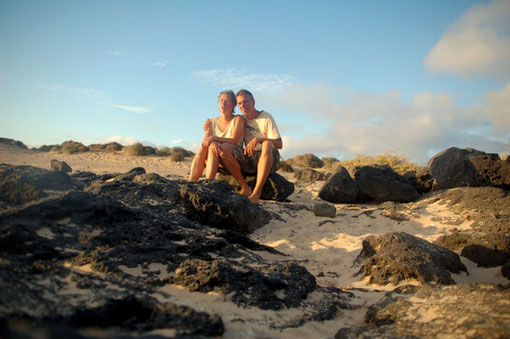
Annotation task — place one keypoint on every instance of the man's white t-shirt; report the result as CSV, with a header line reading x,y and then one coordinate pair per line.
x,y
263,126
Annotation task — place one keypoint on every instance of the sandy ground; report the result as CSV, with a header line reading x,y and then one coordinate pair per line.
x,y
327,247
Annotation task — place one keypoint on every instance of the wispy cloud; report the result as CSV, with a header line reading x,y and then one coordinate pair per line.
x,y
135,109
373,123
177,141
233,78
115,52
478,43
498,108
160,63
76,93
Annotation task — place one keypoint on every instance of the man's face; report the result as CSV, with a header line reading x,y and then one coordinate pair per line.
x,y
245,103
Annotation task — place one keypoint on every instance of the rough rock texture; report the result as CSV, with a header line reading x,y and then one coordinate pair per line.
x,y
487,250
214,203
456,167
421,179
505,270
381,183
250,287
60,166
97,258
276,187
309,175
456,311
340,188
322,209
397,256
21,184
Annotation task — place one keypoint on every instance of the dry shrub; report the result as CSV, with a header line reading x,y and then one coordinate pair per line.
x,y
176,157
139,150
13,142
109,147
306,160
167,151
71,147
330,163
399,164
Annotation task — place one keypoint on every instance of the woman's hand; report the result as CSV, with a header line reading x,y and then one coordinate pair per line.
x,y
214,148
208,125
207,141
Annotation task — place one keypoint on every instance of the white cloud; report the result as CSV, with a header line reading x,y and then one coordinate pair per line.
x,y
135,109
476,44
374,123
76,93
124,141
233,78
498,108
177,141
115,53
160,63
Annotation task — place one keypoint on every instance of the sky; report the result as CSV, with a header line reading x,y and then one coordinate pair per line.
x,y
341,78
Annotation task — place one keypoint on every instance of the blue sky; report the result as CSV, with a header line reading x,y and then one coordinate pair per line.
x,y
340,77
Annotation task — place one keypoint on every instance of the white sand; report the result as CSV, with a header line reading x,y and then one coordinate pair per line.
x,y
325,246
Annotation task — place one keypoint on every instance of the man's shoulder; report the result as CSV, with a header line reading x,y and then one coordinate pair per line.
x,y
265,115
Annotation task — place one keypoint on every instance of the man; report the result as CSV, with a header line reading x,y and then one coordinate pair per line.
x,y
262,140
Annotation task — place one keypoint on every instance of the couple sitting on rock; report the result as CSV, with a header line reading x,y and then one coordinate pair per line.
x,y
223,143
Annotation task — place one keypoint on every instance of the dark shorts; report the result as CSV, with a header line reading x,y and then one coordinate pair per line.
x,y
249,164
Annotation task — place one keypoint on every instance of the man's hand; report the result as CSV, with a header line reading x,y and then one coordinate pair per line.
x,y
251,147
207,125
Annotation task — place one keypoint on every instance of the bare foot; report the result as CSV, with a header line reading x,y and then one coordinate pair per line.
x,y
254,199
246,191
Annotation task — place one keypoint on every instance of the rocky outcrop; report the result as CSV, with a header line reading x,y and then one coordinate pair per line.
x,y
471,310
487,250
322,209
381,183
421,179
397,256
21,184
340,188
61,166
214,203
97,258
456,167
276,187
309,175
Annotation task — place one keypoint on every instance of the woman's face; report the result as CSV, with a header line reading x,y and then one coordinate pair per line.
x,y
225,104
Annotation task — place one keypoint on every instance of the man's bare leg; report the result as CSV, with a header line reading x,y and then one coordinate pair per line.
x,y
263,169
212,165
198,164
234,168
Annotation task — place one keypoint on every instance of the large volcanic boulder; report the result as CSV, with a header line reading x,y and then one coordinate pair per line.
x,y
276,187
21,184
456,167
397,256
468,310
381,183
340,188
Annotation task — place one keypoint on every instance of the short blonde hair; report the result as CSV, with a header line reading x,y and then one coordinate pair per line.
x,y
231,96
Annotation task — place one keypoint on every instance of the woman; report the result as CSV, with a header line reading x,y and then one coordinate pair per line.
x,y
226,128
